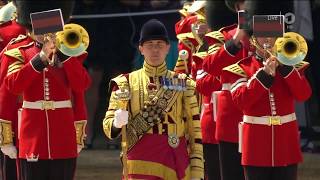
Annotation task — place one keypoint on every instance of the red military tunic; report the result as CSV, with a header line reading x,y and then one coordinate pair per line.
x,y
8,31
260,97
184,33
10,103
221,55
205,85
48,133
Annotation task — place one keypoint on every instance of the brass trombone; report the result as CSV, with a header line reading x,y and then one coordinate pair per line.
x,y
73,40
290,49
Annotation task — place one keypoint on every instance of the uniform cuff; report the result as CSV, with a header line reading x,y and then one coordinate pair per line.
x,y
80,127
61,57
231,47
265,78
37,63
285,70
6,133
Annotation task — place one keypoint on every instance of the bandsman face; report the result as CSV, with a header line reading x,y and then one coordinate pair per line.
x,y
154,51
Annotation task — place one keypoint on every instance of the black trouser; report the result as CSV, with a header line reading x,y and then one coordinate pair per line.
x,y
8,167
211,159
230,161
60,169
271,173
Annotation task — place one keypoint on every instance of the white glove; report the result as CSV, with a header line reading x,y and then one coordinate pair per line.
x,y
120,118
9,150
79,148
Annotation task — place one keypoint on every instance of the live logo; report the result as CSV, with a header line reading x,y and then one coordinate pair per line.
x,y
268,25
273,17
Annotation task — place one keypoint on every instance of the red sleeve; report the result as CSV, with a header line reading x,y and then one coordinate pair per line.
x,y
77,75
207,84
184,25
8,31
18,81
246,92
298,85
79,105
8,107
3,67
224,56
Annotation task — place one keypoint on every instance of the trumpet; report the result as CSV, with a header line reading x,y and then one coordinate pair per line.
x,y
290,49
73,40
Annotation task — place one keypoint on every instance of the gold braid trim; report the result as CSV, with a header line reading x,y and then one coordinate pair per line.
x,y
80,127
194,130
14,67
217,35
301,65
214,48
235,69
6,134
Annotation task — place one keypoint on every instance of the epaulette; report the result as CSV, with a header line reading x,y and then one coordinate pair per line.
x,y
214,48
216,35
18,39
15,53
185,39
235,69
184,36
200,55
228,28
301,65
201,18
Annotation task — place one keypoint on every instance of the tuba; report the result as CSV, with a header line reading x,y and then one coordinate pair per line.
x,y
290,49
73,40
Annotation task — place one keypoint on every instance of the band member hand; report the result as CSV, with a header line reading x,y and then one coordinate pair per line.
x,y
240,35
48,52
9,150
120,118
79,148
270,65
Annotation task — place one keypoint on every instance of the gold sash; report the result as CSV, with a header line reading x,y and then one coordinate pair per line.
x,y
150,115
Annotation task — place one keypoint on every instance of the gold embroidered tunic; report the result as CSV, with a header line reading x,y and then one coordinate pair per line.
x,y
179,117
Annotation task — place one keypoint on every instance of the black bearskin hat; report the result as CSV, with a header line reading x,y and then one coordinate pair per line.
x,y
25,7
231,3
219,15
153,30
258,7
